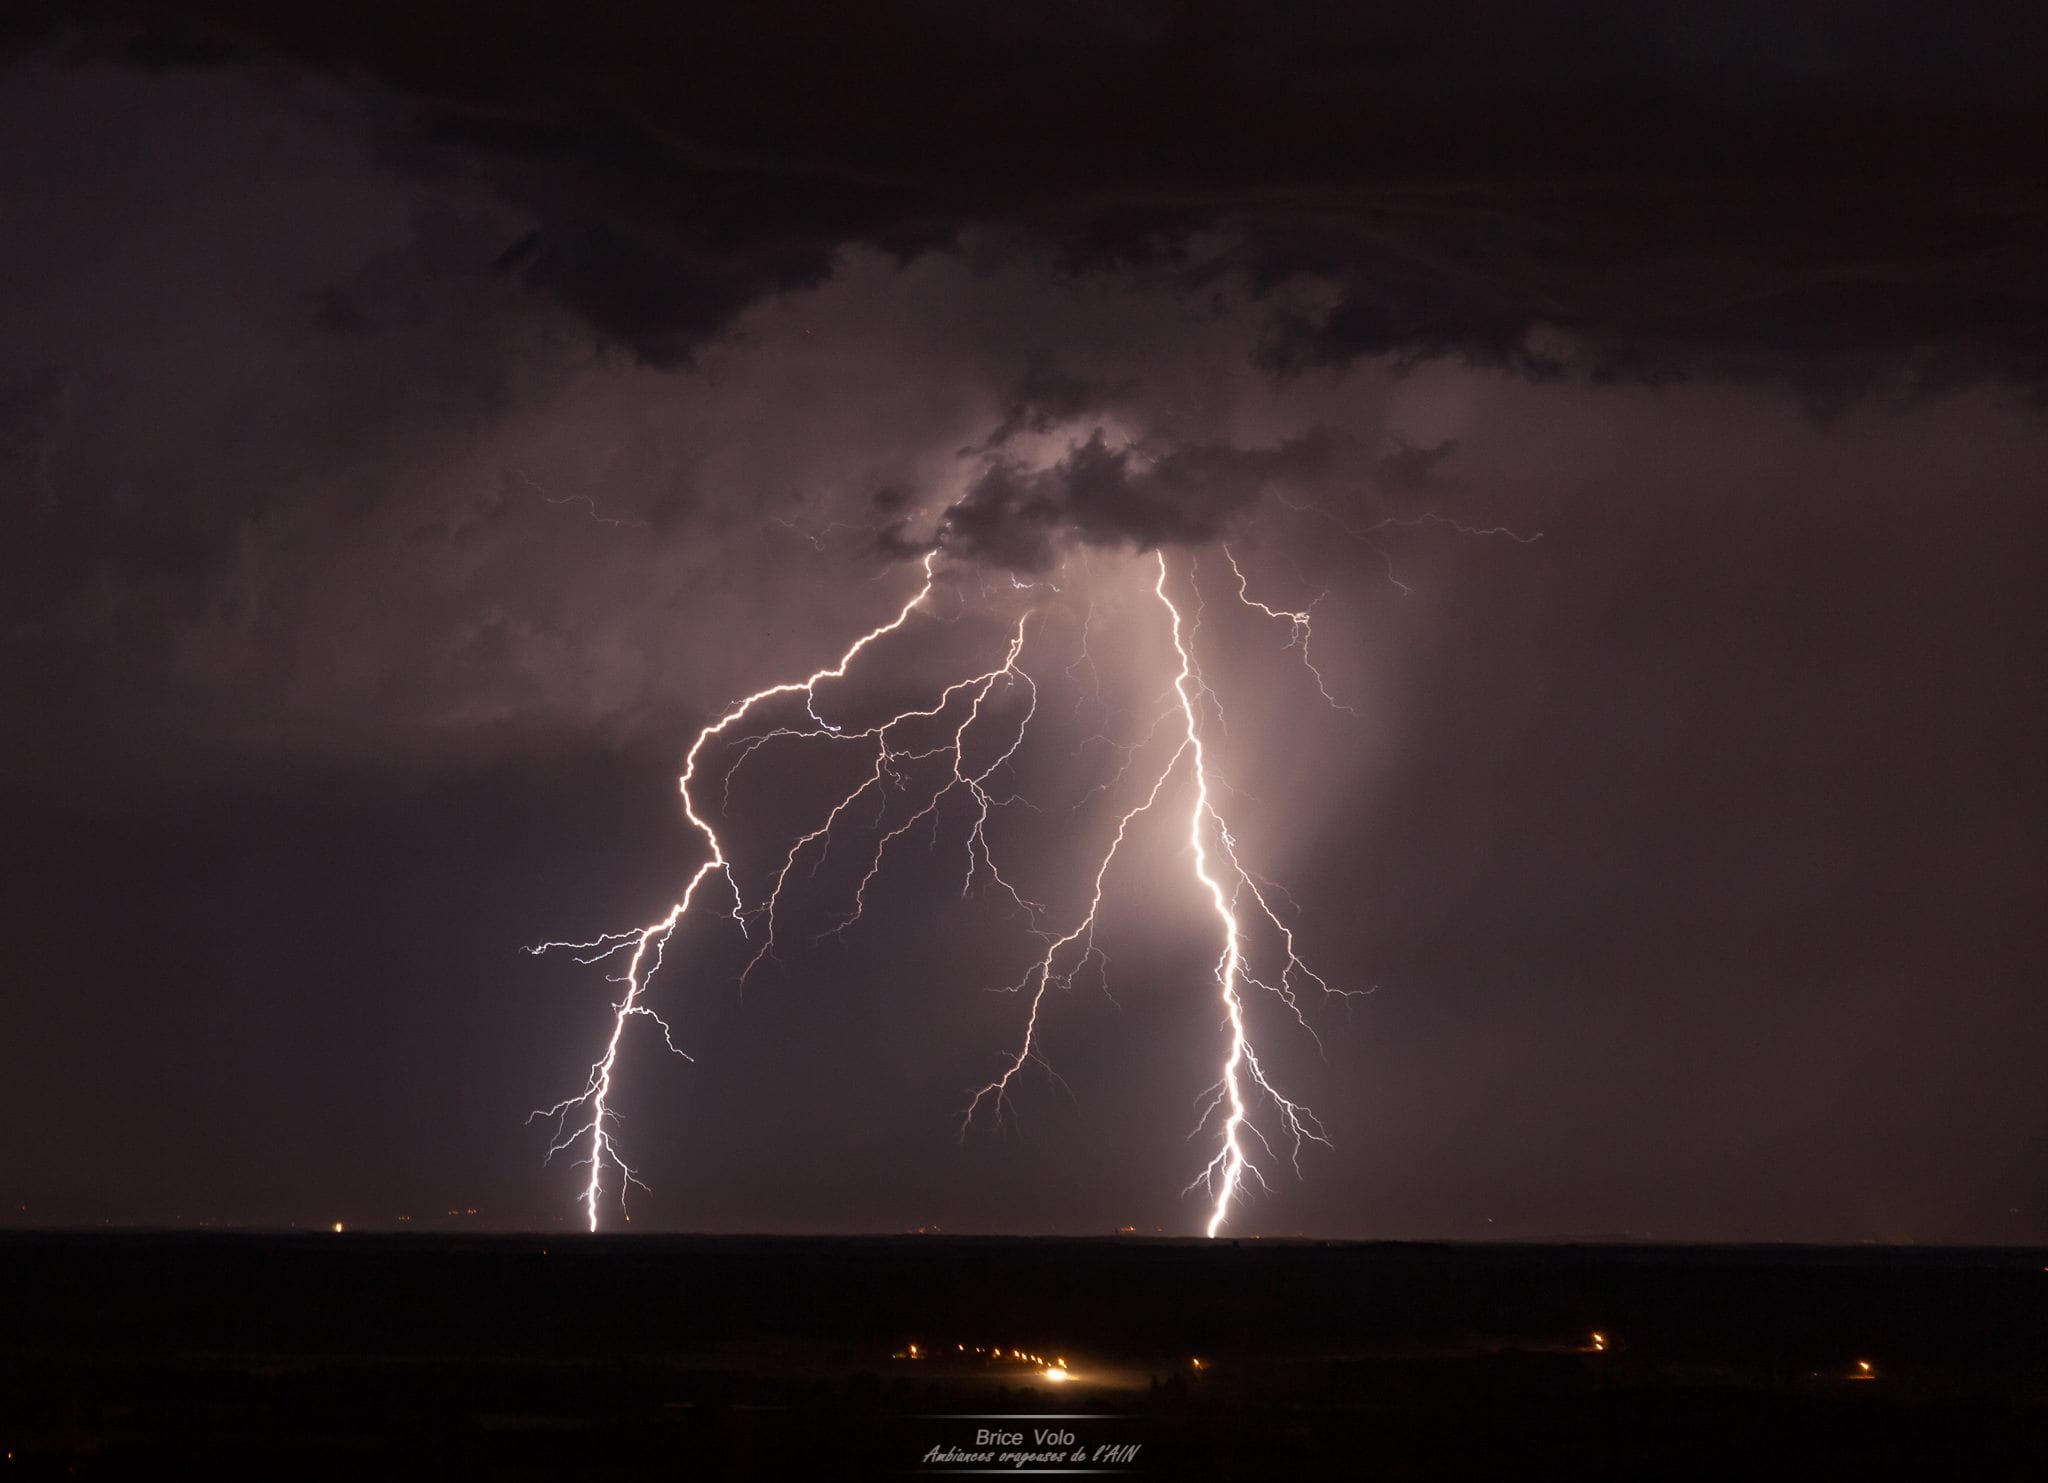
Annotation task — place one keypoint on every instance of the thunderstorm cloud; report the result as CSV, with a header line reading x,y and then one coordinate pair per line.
x,y
1104,496
415,421
1513,187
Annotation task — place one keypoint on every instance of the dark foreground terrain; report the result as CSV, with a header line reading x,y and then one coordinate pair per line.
x,y
377,1357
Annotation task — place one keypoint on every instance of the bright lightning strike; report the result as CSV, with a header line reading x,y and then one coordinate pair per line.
x,y
594,1101
918,760
1242,1076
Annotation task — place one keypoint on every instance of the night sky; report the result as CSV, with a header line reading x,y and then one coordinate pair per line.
x,y
416,422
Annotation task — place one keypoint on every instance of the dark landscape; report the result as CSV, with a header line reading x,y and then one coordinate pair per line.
x,y
324,1355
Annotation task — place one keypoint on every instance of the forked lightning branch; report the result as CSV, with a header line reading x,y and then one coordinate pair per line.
x,y
919,761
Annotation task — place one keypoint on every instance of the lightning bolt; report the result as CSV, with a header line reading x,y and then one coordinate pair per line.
x,y
584,500
1242,1077
1225,1173
919,759
595,1099
1365,533
1297,621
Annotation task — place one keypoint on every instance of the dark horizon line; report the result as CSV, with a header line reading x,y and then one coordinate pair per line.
x,y
19,1234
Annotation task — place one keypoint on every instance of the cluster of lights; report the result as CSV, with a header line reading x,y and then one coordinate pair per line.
x,y
1053,1368
1600,1343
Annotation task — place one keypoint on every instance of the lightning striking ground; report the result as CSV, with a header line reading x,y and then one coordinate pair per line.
x,y
595,1098
1242,1077
914,777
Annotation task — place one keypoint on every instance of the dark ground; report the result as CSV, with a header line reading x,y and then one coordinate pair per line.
x,y
374,1356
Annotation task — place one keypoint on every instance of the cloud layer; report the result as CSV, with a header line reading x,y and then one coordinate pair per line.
x,y
1735,191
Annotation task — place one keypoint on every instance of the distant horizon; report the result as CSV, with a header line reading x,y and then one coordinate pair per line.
x,y
1620,1239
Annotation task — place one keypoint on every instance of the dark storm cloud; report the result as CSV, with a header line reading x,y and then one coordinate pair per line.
x,y
1047,396
1839,286
1845,202
1103,496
